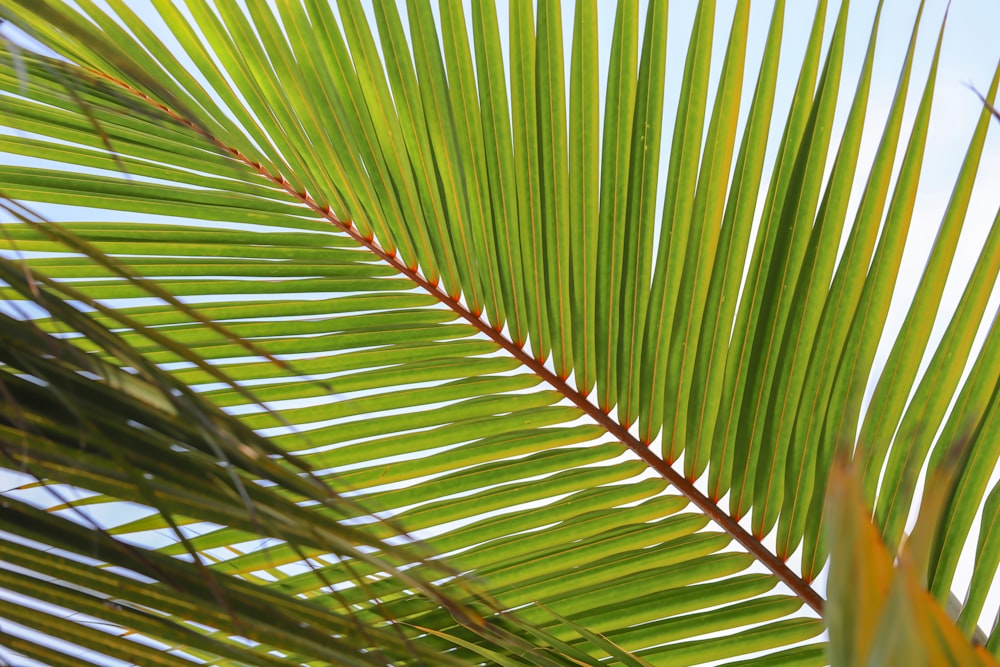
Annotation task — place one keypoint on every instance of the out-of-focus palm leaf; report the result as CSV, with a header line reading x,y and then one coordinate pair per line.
x,y
338,244
881,613
133,433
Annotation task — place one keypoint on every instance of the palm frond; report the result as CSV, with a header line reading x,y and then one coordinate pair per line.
x,y
389,248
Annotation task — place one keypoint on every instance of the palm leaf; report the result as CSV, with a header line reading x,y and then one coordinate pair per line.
x,y
373,302
880,614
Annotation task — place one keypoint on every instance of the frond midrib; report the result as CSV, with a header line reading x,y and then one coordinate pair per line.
x,y
777,566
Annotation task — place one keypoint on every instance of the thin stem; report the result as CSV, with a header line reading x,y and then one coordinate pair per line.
x,y
776,565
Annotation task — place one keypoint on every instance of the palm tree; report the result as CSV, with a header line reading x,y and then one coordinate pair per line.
x,y
369,345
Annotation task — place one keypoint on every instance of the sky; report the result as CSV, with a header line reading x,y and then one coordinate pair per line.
x,y
969,56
